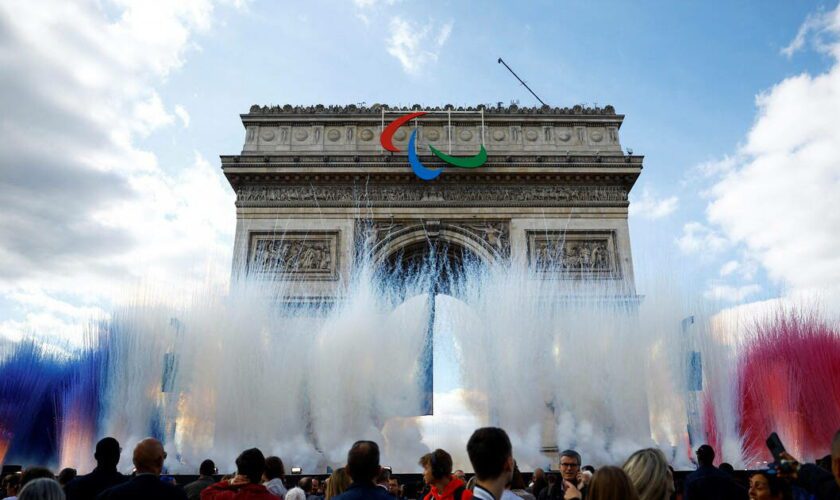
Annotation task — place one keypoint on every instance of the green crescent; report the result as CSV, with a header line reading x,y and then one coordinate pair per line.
x,y
463,161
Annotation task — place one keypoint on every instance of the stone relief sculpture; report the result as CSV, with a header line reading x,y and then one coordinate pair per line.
x,y
572,255
429,195
294,256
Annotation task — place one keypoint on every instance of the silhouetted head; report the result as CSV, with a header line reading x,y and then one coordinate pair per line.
x,y
66,475
705,455
363,462
274,468
491,454
305,484
107,453
207,468
33,473
251,464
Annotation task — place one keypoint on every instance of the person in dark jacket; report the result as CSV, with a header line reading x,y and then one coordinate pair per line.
x,y
206,471
710,482
363,468
817,481
104,476
146,484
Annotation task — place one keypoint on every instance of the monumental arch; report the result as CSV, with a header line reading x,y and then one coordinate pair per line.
x,y
313,185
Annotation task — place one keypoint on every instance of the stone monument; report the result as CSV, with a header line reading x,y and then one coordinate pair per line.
x,y
313,185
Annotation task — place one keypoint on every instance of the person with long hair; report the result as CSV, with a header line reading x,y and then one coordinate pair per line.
x,y
337,483
608,483
648,471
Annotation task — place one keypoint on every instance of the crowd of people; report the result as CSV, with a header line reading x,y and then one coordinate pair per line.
x,y
645,475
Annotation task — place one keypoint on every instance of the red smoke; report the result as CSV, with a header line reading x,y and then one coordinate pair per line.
x,y
789,376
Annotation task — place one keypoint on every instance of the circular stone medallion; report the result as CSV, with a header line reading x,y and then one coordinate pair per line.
x,y
531,135
596,135
564,135
499,135
400,135
333,135
268,134
466,135
433,135
366,134
301,134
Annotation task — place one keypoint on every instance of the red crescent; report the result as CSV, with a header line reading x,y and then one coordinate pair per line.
x,y
385,138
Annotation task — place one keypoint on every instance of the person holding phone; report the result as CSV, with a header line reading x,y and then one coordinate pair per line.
x,y
571,476
822,484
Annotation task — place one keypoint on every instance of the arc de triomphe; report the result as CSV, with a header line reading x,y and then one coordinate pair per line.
x,y
313,184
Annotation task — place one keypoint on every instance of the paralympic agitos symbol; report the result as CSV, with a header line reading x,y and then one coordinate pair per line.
x,y
421,170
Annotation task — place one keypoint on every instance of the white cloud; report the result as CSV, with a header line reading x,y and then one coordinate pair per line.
x,y
183,115
85,209
820,27
149,115
648,206
416,46
729,293
775,198
698,238
368,4
729,268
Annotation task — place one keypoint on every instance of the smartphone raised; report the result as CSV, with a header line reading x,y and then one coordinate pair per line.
x,y
774,444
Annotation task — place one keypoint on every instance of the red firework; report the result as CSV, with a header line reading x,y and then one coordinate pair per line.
x,y
789,382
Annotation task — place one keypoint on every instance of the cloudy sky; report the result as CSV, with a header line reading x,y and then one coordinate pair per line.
x,y
114,113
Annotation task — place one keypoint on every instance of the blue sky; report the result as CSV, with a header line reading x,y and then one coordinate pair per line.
x,y
148,95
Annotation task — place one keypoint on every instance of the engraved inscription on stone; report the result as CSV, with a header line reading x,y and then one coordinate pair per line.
x,y
574,254
294,255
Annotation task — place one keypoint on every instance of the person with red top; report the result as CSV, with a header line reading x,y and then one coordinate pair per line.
x,y
437,473
246,485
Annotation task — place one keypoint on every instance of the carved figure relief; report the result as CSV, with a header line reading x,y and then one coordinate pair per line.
x,y
573,255
428,195
307,256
